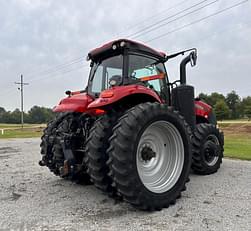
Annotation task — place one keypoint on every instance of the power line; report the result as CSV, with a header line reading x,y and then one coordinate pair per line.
x,y
198,20
221,31
7,91
164,19
182,16
57,67
79,59
21,83
61,73
135,25
52,73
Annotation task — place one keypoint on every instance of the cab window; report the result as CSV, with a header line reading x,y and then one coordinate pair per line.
x,y
142,66
103,71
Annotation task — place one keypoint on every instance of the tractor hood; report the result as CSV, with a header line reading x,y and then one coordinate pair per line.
x,y
76,103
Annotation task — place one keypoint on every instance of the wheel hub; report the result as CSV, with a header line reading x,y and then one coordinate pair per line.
x,y
147,153
211,150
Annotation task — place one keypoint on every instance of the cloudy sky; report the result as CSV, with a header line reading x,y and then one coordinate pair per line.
x,y
47,41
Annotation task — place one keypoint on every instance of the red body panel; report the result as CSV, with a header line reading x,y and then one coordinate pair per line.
x,y
74,103
120,92
202,109
85,103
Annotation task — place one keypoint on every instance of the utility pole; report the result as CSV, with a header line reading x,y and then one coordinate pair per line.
x,y
21,88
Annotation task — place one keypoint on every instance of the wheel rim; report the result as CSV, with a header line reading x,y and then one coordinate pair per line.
x,y
211,150
160,156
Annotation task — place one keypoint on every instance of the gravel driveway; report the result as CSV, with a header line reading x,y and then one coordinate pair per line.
x,y
31,198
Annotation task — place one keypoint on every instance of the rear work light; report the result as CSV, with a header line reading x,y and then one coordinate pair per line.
x,y
96,112
107,94
99,111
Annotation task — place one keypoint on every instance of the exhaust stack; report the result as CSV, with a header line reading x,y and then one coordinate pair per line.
x,y
192,58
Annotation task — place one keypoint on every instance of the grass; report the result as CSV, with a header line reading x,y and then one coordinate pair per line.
x,y
6,126
237,139
26,133
238,146
243,121
15,131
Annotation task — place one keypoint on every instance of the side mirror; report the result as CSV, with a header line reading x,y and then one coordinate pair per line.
x,y
68,93
193,58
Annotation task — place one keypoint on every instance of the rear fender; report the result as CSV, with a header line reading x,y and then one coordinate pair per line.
x,y
203,111
74,103
116,94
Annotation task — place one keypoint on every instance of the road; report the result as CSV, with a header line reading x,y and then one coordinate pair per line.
x,y
31,198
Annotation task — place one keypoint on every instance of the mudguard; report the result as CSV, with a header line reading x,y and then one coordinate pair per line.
x,y
74,103
202,109
114,94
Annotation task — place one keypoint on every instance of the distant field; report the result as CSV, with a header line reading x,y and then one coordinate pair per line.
x,y
241,121
237,136
15,130
5,126
237,139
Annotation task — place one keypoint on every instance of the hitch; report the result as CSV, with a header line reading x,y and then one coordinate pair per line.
x,y
69,167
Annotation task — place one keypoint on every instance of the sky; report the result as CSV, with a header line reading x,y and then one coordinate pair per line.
x,y
47,41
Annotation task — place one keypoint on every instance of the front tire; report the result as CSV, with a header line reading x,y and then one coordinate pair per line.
x,y
150,156
208,149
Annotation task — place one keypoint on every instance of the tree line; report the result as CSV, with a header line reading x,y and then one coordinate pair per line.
x,y
230,106
36,115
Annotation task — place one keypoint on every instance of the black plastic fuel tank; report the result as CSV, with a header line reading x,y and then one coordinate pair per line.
x,y
183,101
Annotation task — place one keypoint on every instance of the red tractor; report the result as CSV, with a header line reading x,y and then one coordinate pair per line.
x,y
131,132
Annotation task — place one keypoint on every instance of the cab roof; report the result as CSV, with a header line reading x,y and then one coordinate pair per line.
x,y
116,46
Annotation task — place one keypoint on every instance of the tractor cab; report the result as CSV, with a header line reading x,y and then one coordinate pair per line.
x,y
124,62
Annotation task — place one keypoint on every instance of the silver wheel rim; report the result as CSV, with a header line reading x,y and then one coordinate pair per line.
x,y
215,140
160,172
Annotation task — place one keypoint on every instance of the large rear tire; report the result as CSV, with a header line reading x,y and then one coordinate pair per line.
x,y
96,153
48,141
150,156
208,149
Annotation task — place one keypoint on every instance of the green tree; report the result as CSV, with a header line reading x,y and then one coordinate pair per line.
x,y
205,98
215,98
247,111
40,114
233,101
15,116
221,110
245,103
10,117
2,110
212,99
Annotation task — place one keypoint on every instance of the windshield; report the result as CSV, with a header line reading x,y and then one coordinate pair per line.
x,y
103,72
